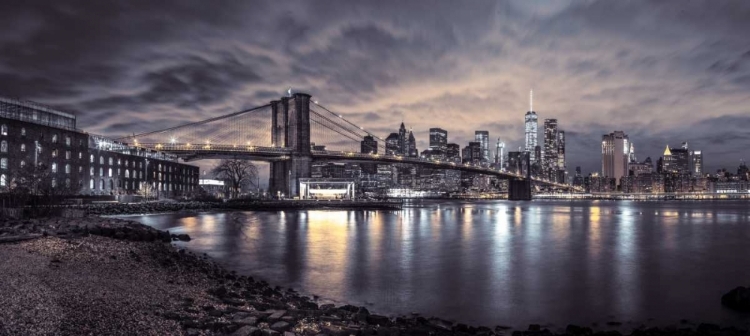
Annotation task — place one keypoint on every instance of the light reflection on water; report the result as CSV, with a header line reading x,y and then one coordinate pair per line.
x,y
496,262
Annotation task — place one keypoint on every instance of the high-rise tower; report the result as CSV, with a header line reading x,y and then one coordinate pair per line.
x,y
615,152
499,154
530,129
483,138
549,161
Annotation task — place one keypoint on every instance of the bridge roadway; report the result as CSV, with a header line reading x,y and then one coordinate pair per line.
x,y
191,152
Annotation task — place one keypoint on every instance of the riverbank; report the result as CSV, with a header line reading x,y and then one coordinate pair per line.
x,y
109,276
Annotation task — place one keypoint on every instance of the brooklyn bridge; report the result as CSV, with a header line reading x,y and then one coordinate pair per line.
x,y
293,132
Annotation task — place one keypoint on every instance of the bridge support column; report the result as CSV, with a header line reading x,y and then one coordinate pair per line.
x,y
520,190
291,128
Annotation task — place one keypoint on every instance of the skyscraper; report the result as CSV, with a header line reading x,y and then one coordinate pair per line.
x,y
411,145
392,144
453,152
483,138
549,161
499,154
561,165
696,163
530,129
677,160
369,145
402,140
615,150
438,139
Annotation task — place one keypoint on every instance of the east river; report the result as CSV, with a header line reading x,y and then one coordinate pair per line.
x,y
496,262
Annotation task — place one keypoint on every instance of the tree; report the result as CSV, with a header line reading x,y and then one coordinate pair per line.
x,y
146,190
238,173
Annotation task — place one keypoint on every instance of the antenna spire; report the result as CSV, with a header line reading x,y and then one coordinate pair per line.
x,y
531,100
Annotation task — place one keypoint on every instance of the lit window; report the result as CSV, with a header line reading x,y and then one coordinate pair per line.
x,y
80,169
4,146
67,140
67,168
54,138
101,172
110,161
23,131
54,167
23,163
54,182
119,162
127,173
109,172
67,183
54,153
91,184
67,155
4,129
92,158
101,160
80,155
91,171
4,163
3,180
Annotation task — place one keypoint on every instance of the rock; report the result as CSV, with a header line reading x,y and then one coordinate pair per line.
x,y
219,292
281,326
183,237
270,332
192,332
276,315
246,321
215,313
737,299
247,331
233,302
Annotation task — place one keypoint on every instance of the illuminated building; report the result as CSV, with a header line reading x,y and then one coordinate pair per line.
x,y
615,154
483,138
499,154
530,130
438,139
549,161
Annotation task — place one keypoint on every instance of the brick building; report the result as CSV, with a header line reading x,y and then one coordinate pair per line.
x,y
33,135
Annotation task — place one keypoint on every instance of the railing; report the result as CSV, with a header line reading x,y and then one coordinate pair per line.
x,y
188,147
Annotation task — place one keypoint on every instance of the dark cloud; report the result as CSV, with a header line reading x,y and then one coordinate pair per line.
x,y
664,72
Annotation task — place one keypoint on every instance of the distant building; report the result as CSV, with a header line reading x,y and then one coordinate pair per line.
x,y
677,160
438,140
638,168
515,162
412,150
599,184
578,178
483,138
369,145
615,154
530,134
472,153
696,163
392,143
561,165
549,161
500,154
403,140
453,152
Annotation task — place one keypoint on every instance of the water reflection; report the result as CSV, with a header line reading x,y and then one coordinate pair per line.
x,y
495,262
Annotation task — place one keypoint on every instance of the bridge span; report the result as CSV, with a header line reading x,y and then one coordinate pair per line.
x,y
290,134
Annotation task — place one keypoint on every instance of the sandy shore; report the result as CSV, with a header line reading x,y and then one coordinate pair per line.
x,y
105,276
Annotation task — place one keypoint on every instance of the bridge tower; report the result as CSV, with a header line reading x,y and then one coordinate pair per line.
x,y
290,128
520,189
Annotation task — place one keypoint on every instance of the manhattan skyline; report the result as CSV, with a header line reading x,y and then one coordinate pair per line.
x,y
664,73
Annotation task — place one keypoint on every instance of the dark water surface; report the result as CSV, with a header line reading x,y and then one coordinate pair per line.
x,y
496,262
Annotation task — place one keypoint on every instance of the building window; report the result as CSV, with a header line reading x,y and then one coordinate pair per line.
x,y
67,155
110,172
127,173
67,183
4,163
91,184
3,180
23,147
80,169
23,131
119,162
4,146
80,155
67,168
54,167
4,129
54,182
92,158
110,161
111,185
23,163
54,153
67,140
91,171
54,138
101,184
101,160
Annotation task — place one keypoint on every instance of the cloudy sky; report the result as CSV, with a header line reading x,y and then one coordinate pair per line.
x,y
664,72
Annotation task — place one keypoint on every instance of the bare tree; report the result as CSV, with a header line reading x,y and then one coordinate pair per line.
x,y
238,173
147,191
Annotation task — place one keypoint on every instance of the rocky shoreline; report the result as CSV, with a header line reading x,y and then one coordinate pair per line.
x,y
107,276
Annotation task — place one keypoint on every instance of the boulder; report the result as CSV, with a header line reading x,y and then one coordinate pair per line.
x,y
281,326
737,299
247,331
